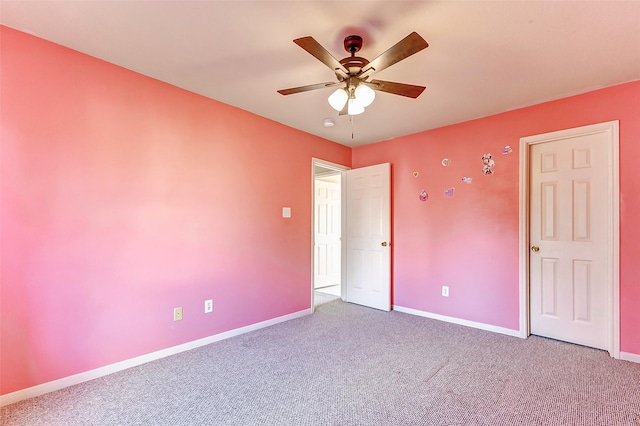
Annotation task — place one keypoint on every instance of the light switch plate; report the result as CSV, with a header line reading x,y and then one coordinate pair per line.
x,y
286,212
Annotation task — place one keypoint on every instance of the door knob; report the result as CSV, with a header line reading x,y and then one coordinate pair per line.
x,y
384,244
535,249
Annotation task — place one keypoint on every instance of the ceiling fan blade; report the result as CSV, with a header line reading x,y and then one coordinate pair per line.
x,y
307,88
402,89
314,48
406,47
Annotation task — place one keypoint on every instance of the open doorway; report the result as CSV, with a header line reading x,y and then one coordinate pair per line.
x,y
328,255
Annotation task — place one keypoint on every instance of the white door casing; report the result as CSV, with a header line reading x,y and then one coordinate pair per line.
x,y
368,232
328,218
569,244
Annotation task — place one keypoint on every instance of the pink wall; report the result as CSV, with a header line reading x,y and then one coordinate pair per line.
x,y
470,241
123,197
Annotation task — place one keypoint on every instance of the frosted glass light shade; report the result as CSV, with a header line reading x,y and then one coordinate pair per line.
x,y
338,98
365,95
354,108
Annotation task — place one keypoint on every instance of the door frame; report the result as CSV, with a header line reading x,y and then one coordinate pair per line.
x,y
317,162
613,202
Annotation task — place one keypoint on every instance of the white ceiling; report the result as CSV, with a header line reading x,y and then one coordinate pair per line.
x,y
485,57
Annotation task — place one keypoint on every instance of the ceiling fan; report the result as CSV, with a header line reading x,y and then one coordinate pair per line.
x,y
353,72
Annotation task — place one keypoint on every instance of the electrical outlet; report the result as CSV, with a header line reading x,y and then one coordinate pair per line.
x,y
445,291
177,314
208,306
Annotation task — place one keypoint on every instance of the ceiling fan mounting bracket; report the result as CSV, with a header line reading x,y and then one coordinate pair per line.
x,y
352,44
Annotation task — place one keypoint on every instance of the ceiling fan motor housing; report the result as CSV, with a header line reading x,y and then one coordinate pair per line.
x,y
353,64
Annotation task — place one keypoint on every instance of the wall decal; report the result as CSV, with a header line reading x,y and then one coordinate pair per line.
x,y
415,174
446,162
467,179
449,192
507,150
487,164
424,196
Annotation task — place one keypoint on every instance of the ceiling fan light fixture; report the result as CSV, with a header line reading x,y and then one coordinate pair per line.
x,y
338,99
364,95
354,107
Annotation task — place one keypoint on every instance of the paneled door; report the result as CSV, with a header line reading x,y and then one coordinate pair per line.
x,y
570,238
368,231
328,219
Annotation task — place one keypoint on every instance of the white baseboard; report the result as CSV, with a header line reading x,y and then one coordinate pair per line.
x,y
38,390
453,320
626,356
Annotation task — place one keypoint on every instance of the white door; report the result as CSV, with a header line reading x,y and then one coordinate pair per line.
x,y
328,219
570,239
368,232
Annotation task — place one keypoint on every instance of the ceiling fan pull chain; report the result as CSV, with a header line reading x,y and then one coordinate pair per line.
x,y
351,126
